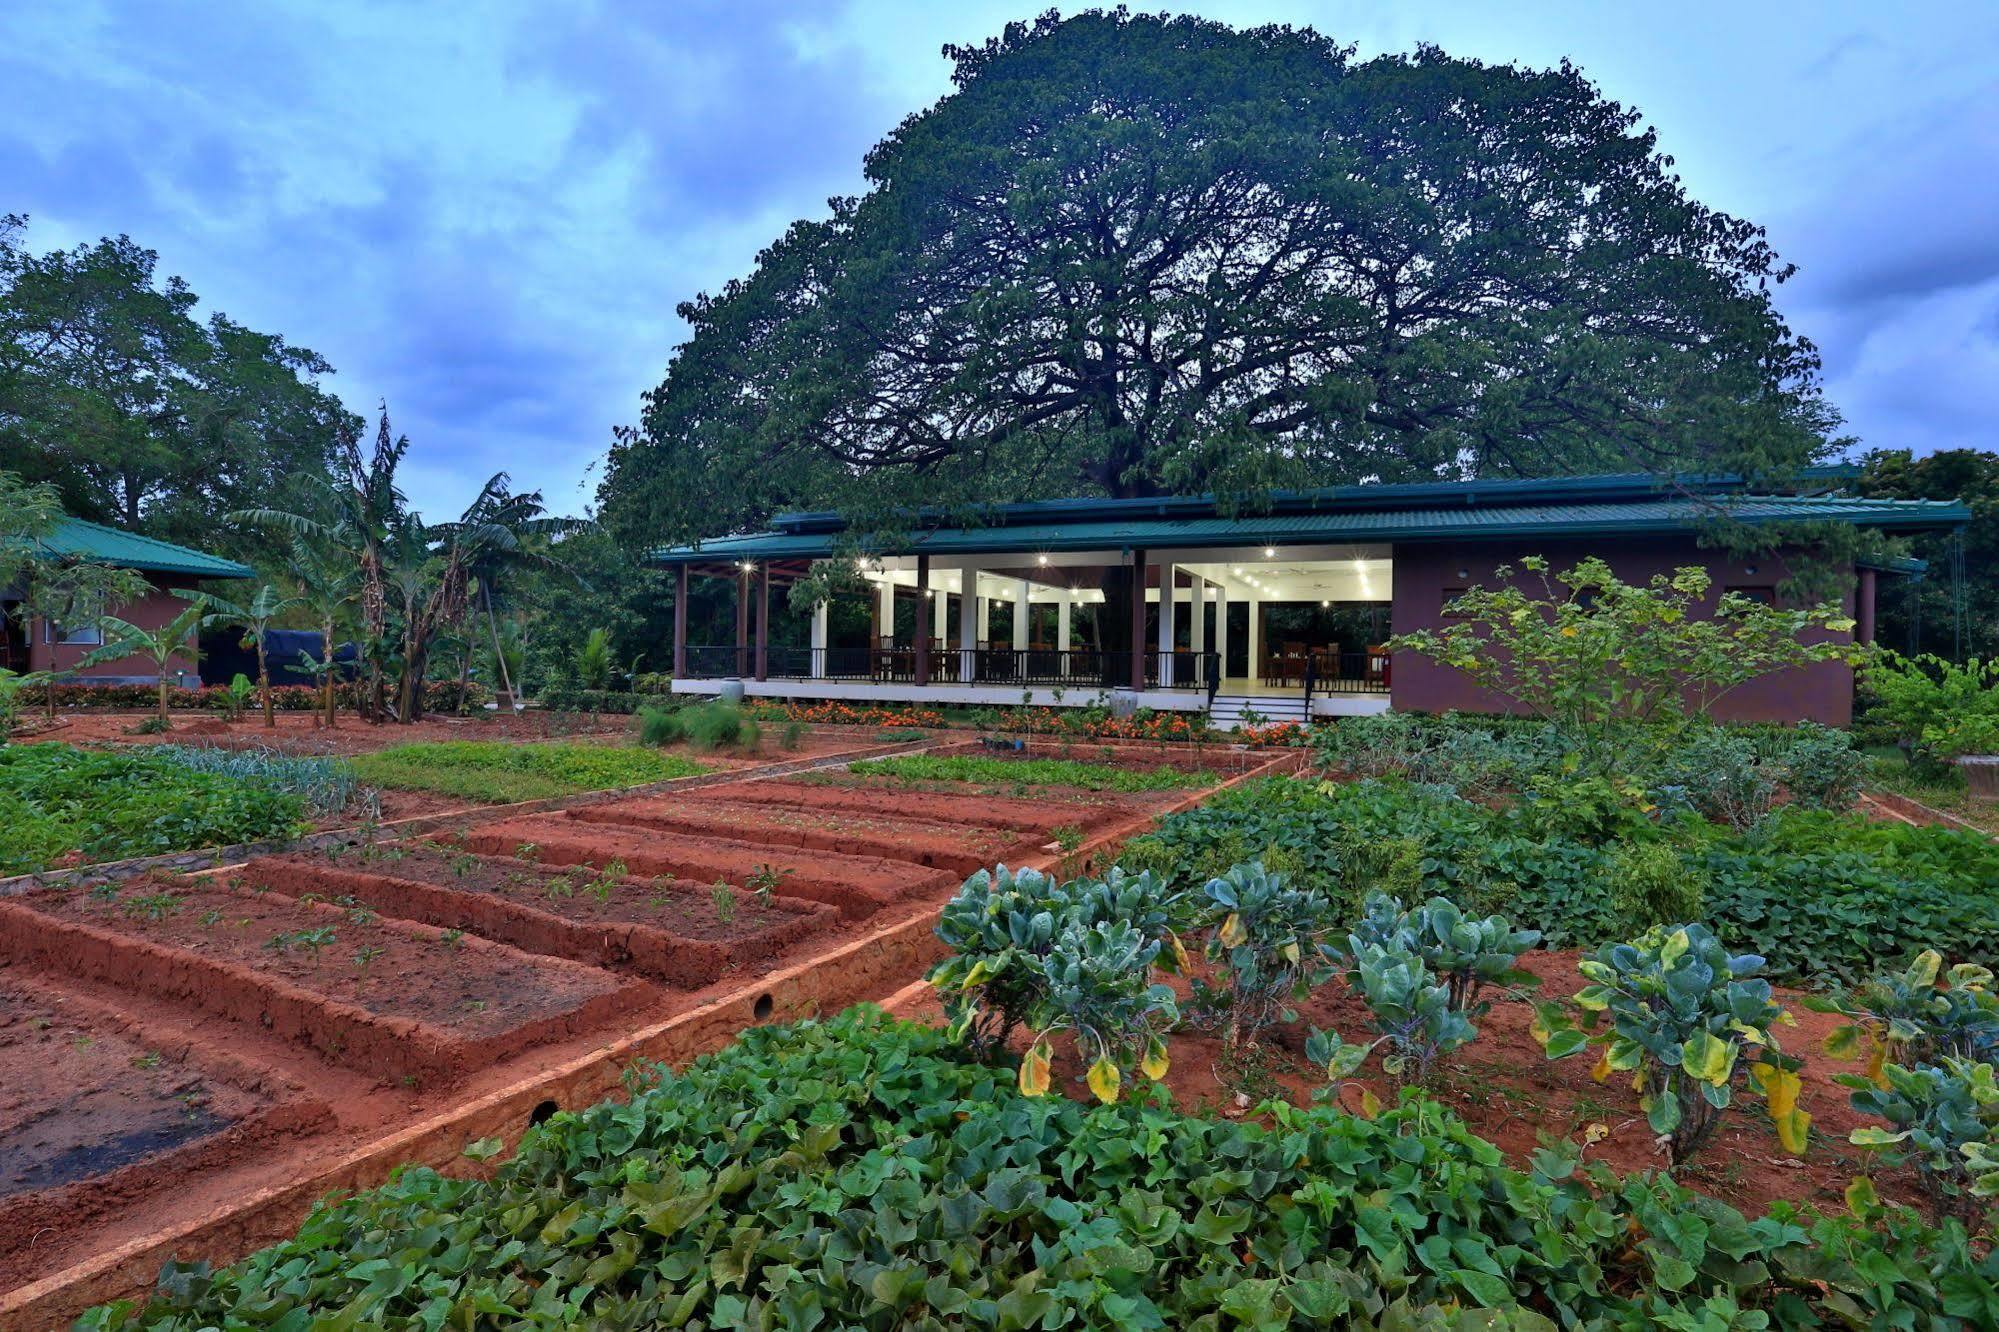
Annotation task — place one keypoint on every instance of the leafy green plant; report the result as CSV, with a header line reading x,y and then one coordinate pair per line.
x,y
1269,945
363,960
1943,1119
1935,706
152,906
593,660
1652,883
500,772
1918,1015
1690,1021
766,879
1468,954
305,941
1410,1010
1719,773
328,785
1820,768
719,725
724,898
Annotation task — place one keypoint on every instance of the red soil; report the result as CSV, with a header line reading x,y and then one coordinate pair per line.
x,y
1038,816
957,848
1508,1091
424,1007
858,885
301,733
97,1114
665,930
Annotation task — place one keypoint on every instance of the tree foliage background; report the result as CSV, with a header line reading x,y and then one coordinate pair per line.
x,y
1131,255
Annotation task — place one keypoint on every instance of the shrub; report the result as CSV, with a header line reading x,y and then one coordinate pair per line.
x,y
1269,944
1652,883
1720,776
1689,1020
1942,1119
660,728
1934,706
718,725
1820,769
1384,745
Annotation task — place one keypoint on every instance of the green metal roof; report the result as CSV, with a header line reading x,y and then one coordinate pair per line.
x,y
1485,512
129,550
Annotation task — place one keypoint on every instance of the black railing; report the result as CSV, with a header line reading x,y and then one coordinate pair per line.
x,y
1330,672
1042,667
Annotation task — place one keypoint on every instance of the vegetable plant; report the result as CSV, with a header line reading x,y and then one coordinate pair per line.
x,y
1917,1015
1269,948
1466,953
1411,1012
1097,989
1942,1118
1689,1021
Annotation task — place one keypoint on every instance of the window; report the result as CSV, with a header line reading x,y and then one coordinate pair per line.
x,y
84,635
1764,593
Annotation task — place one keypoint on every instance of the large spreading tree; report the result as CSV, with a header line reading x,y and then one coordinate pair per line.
x,y
1134,255
139,413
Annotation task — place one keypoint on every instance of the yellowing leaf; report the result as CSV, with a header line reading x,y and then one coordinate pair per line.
x,y
1156,1060
977,974
1708,1058
1794,1131
1370,1104
1602,1069
1180,961
1674,948
1290,952
1232,931
1861,1197
1923,971
1103,1079
1034,1070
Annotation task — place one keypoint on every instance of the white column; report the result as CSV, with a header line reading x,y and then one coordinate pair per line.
x,y
820,618
1063,612
1020,614
970,604
1169,599
1222,628
1255,636
887,607
1197,623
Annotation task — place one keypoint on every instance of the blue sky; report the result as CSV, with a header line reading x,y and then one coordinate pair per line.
x,y
487,212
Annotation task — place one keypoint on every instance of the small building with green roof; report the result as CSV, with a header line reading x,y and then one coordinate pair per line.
x,y
41,645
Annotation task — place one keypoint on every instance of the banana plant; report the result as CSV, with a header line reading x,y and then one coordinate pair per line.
x,y
254,618
159,646
1689,1021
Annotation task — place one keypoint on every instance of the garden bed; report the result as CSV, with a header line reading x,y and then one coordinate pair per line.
x,y
958,848
666,930
858,885
1041,816
423,1007
95,1117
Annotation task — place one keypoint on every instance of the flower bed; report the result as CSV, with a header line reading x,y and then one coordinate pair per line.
x,y
438,696
1097,723
833,713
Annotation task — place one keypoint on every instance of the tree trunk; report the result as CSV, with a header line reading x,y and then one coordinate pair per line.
x,y
165,721
326,673
506,699
264,681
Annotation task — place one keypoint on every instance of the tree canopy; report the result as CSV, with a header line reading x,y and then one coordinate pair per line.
x,y
1132,255
139,413
1923,617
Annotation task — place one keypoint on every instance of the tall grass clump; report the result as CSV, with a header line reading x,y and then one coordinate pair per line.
x,y
660,727
719,725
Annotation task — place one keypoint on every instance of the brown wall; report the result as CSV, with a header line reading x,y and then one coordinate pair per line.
x,y
1822,692
153,611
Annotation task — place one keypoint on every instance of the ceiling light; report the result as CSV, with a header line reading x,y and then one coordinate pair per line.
x,y
1041,559
1324,605
1269,551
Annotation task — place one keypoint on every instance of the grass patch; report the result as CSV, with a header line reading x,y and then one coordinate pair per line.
x,y
1032,772
56,799
328,785
496,772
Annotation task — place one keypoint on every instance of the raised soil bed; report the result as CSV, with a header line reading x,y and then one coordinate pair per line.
x,y
424,1008
858,885
1050,810
666,930
95,1117
956,847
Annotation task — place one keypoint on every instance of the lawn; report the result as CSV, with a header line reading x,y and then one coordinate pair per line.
x,y
1032,772
500,773
59,804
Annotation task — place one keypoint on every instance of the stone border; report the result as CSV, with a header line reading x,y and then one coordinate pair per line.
x,y
1915,811
115,871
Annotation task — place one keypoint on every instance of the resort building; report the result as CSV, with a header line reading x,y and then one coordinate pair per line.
x,y
1286,610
